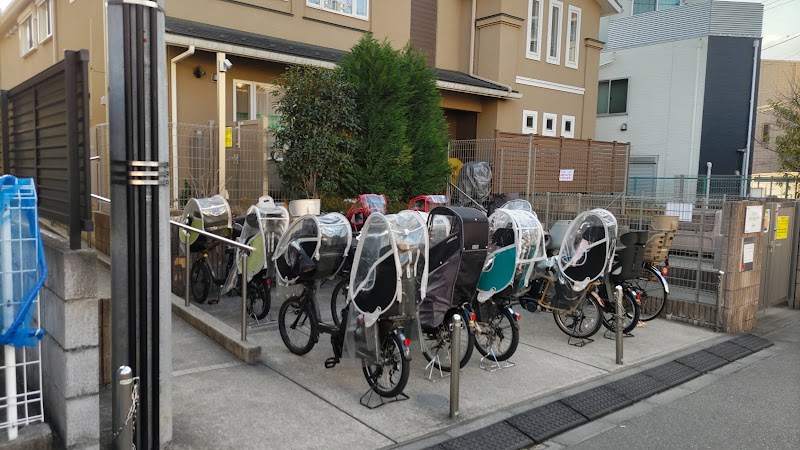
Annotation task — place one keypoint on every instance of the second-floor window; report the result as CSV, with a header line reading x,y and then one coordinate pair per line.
x,y
27,35
534,47
44,13
554,33
354,8
612,97
643,6
573,36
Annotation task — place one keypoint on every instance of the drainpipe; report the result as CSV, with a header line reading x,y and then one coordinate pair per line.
x,y
473,25
221,121
746,162
173,85
693,148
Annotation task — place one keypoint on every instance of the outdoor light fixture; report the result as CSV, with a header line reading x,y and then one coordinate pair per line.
x,y
623,127
214,78
225,65
199,72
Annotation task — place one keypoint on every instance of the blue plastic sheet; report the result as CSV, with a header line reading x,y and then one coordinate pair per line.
x,y
22,265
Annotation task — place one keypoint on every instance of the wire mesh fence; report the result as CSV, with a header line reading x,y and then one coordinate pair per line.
x,y
733,187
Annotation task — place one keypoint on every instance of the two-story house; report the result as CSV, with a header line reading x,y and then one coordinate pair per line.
x,y
509,65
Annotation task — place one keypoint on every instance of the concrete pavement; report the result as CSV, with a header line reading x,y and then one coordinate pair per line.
x,y
288,401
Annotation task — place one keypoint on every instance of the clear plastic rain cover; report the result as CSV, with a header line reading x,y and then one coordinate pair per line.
x,y
263,226
520,204
212,214
312,248
388,279
475,180
516,243
587,248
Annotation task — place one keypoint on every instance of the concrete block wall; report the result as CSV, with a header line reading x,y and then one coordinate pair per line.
x,y
739,292
70,348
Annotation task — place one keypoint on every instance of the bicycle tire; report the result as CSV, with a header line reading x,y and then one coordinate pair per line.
x,y
304,316
337,303
373,373
200,281
654,293
437,343
495,330
567,322
257,290
628,303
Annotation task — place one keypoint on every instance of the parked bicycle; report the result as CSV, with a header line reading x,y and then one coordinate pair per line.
x,y
517,243
651,283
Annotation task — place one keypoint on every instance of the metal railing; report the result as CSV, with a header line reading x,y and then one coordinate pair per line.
x,y
246,250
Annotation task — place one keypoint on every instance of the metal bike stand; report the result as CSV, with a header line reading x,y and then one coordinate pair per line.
x,y
434,364
366,400
495,364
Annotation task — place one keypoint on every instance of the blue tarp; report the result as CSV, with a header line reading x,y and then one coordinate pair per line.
x,y
22,265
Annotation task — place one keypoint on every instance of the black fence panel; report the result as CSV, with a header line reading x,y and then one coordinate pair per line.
x,y
45,136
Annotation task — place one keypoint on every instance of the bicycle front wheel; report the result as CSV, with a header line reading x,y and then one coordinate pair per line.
x,y
389,375
258,299
584,322
339,300
436,346
298,325
653,291
200,280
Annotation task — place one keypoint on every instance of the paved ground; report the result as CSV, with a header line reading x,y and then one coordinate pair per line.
x,y
294,402
752,403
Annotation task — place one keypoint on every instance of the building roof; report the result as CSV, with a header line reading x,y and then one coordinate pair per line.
x,y
230,36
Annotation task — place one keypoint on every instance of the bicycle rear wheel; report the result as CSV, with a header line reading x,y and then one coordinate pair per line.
x,y
630,314
388,376
653,291
200,280
584,322
436,345
339,300
499,334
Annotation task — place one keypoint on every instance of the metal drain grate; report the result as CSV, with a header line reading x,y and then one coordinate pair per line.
x,y
751,342
672,373
729,351
547,421
499,436
702,361
597,402
637,387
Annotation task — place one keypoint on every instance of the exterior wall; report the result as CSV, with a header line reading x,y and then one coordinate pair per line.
x,y
452,34
501,40
774,84
726,109
666,89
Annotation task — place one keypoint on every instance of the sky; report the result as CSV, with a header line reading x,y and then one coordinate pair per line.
x,y
781,19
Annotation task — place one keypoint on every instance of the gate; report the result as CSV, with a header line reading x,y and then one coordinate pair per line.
x,y
780,240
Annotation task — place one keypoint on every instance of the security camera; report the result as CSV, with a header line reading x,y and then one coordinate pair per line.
x,y
225,65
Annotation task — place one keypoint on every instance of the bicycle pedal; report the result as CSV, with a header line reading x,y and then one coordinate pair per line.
x,y
330,363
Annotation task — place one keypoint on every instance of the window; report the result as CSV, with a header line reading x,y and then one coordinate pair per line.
x,y
643,6
44,17
529,120
612,97
27,35
573,37
568,126
253,100
549,124
353,8
533,50
554,33
765,134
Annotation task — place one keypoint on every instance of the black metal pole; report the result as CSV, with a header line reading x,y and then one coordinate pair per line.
x,y
140,312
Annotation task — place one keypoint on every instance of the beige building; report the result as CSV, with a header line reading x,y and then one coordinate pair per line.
x,y
525,66
775,83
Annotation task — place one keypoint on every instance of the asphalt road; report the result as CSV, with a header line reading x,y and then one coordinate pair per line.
x,y
757,406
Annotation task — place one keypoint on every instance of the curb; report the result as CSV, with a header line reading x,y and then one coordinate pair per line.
x,y
218,331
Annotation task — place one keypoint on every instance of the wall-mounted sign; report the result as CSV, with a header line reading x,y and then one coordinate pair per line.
x,y
748,253
766,220
566,174
682,210
782,228
228,137
753,219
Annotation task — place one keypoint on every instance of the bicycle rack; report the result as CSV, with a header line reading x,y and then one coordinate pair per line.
x,y
430,370
383,400
495,364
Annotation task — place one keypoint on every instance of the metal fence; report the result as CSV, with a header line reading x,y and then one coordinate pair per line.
x,y
689,188
194,165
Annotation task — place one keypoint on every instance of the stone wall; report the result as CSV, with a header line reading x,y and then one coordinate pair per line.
x,y
70,348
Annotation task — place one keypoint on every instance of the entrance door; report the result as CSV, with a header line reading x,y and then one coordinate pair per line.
x,y
777,267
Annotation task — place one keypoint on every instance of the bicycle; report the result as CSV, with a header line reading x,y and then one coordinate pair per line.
x,y
653,288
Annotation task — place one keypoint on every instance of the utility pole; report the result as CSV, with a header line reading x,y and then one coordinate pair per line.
x,y
140,277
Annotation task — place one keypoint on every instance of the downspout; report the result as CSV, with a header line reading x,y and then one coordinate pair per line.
x,y
694,110
473,26
746,162
173,85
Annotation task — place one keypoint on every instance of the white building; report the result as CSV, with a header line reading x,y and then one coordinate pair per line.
x,y
678,82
